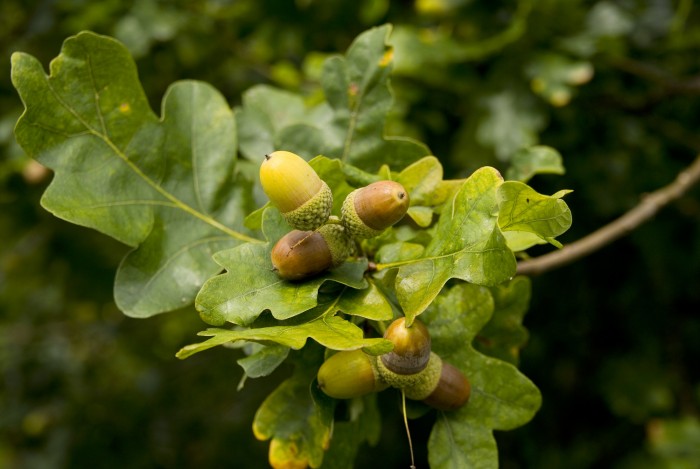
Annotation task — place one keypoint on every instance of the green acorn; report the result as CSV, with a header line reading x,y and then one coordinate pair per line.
x,y
369,210
293,186
350,374
299,255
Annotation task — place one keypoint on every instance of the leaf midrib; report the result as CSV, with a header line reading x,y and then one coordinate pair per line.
x,y
134,168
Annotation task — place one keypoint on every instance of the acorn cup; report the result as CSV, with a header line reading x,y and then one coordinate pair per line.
x,y
369,210
293,186
300,255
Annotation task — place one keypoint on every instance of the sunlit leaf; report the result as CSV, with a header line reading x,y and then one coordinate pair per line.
x,y
521,208
330,331
468,245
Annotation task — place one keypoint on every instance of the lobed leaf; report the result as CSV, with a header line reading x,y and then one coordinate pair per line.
x,y
162,186
530,161
504,335
349,126
332,332
467,245
501,397
357,89
263,360
522,209
301,437
349,436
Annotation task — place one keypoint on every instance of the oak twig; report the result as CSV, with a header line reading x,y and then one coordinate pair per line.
x,y
649,205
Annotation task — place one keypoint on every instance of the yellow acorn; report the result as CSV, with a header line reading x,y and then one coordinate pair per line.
x,y
293,186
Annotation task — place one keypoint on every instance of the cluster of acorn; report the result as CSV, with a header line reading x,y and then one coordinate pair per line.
x,y
320,241
411,366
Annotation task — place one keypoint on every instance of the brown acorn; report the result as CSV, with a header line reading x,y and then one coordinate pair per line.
x,y
299,255
369,210
452,390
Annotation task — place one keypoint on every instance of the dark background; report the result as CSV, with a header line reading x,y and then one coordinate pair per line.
x,y
615,337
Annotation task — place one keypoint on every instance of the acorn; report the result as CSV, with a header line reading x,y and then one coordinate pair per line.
x,y
292,185
350,374
420,372
411,350
451,392
299,255
369,210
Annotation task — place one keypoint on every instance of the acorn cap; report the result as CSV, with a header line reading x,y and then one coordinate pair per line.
x,y
420,383
293,186
338,242
314,212
369,210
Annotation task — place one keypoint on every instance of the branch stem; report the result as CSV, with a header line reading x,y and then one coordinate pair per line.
x,y
649,205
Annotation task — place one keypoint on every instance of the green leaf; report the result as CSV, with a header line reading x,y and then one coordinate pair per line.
x,y
397,252
421,179
330,331
264,360
357,89
511,121
296,416
504,335
501,397
271,119
350,126
521,208
162,186
363,426
468,245
250,285
369,303
539,159
555,76
332,172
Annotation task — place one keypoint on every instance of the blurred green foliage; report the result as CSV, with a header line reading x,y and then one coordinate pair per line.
x,y
612,85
